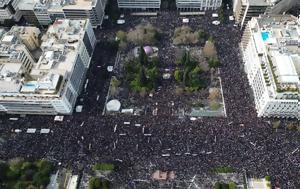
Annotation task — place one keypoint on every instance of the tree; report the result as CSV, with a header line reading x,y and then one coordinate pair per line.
x,y
115,82
45,167
185,76
104,167
40,179
267,178
122,36
276,124
224,186
213,63
94,183
152,74
217,185
214,94
209,50
142,77
20,185
143,59
290,126
3,171
232,185
178,75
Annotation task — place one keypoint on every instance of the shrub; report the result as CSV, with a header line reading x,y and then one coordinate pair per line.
x,y
104,167
267,178
223,170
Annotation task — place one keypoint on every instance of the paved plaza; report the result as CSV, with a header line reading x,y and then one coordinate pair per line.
x,y
138,144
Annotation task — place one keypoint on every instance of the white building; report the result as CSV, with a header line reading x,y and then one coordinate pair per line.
x,y
8,10
198,5
47,11
271,53
50,85
139,4
244,10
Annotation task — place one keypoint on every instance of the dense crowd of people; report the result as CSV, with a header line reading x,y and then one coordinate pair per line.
x,y
138,145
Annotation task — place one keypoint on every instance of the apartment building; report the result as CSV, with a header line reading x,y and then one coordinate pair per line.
x,y
198,5
52,84
244,10
47,11
8,10
140,5
29,36
270,46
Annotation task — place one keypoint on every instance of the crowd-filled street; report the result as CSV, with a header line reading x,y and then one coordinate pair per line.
x,y
138,145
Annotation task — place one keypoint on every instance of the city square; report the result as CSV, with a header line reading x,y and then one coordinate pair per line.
x,y
140,144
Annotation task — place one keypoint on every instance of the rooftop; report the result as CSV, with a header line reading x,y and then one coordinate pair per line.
x,y
65,4
277,41
4,3
59,46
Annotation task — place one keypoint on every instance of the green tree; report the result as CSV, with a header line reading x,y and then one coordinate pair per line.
x,y
232,185
183,59
224,186
213,63
178,75
185,78
115,82
217,185
152,74
94,183
20,185
3,171
45,167
194,77
142,77
40,179
143,59
267,178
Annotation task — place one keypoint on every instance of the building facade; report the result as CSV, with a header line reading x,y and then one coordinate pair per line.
x,y
46,12
244,10
139,4
270,47
52,84
198,5
29,36
8,10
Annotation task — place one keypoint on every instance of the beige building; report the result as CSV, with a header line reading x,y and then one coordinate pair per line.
x,y
29,36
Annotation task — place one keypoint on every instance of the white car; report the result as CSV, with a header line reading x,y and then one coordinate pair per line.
x,y
120,21
215,15
185,20
216,22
